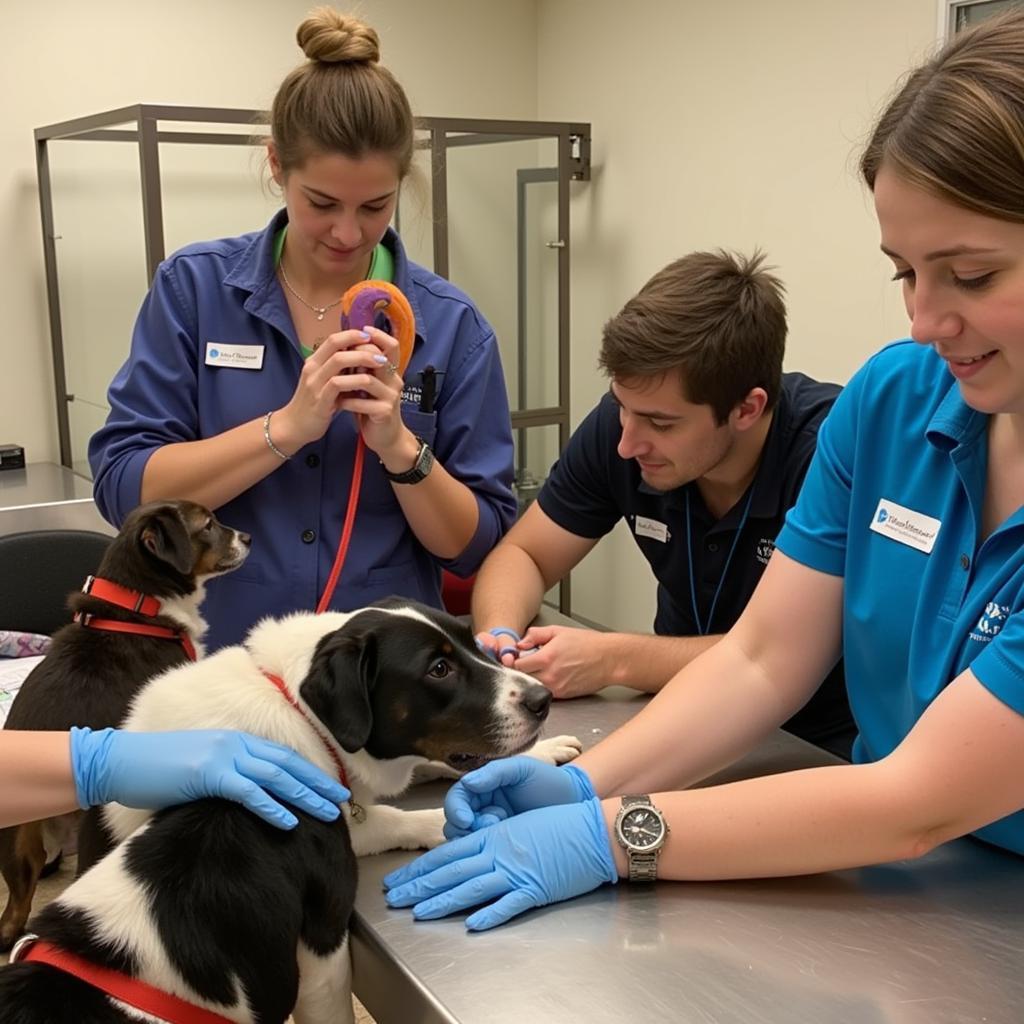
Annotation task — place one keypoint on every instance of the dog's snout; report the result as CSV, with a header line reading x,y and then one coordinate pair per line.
x,y
244,538
537,699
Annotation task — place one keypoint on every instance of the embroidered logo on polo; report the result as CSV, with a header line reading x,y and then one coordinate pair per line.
x,y
905,525
991,622
241,357
764,549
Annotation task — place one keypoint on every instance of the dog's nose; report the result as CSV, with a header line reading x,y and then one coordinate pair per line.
x,y
537,699
245,538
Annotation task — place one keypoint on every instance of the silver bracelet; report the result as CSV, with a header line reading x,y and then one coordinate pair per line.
x,y
270,444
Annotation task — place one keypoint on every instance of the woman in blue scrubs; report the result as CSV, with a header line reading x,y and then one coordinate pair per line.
x,y
242,393
905,553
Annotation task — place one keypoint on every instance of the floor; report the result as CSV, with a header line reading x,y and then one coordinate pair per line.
x,y
55,884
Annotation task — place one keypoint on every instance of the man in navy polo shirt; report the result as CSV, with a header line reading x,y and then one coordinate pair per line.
x,y
700,445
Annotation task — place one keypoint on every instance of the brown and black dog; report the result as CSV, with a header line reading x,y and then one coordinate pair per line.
x,y
150,579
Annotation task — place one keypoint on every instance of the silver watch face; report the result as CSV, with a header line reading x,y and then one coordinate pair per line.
x,y
641,828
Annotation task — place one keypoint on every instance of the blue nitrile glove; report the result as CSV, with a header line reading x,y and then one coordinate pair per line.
x,y
157,769
547,855
510,786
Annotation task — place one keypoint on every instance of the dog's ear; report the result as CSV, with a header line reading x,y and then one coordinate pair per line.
x,y
337,688
165,535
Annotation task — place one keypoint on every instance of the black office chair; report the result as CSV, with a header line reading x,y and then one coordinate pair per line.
x,y
38,570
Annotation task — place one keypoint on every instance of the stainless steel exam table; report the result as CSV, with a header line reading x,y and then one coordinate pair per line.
x,y
935,941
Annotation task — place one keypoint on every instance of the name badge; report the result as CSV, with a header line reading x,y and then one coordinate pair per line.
x,y
241,357
645,527
905,526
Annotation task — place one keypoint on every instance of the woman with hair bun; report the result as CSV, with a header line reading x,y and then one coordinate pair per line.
x,y
904,552
238,371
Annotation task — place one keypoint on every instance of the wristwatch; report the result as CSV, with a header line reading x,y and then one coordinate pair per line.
x,y
420,468
641,830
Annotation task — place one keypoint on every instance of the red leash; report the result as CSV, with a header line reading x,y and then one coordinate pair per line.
x,y
346,530
132,601
133,991
359,306
357,810
283,689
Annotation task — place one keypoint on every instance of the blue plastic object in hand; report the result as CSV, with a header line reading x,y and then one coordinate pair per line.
x,y
528,861
507,787
158,769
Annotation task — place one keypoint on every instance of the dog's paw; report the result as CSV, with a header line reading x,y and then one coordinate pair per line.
x,y
431,770
425,829
556,749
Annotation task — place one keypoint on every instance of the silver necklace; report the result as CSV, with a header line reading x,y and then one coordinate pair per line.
x,y
321,311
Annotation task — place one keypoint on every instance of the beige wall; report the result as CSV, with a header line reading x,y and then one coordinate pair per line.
x,y
729,124
715,124
67,59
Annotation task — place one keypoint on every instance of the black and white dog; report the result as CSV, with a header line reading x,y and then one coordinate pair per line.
x,y
209,904
137,617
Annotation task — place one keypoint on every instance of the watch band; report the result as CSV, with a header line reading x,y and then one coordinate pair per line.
x,y
643,866
420,468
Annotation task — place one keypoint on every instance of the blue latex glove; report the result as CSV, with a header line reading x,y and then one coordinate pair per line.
x,y
530,860
507,787
157,769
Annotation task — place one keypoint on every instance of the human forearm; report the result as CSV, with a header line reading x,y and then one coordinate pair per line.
x,y
572,662
802,822
36,769
508,590
215,470
440,510
648,662
709,714
721,704
51,773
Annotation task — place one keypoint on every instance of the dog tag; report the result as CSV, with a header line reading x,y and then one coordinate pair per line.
x,y
357,811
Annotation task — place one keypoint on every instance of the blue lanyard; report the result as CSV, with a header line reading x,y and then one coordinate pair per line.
x,y
704,630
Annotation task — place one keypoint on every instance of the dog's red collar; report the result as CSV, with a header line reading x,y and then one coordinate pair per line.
x,y
339,766
120,986
139,629
132,601
114,593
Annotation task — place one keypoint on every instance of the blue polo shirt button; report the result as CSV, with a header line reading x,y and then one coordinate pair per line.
x,y
712,546
308,536
965,562
313,460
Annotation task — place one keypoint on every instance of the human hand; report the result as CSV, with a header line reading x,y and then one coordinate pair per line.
x,y
501,643
567,660
342,363
376,400
548,855
155,770
508,787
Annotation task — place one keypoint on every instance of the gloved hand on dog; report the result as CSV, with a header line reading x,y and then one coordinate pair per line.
x,y
508,787
530,860
159,769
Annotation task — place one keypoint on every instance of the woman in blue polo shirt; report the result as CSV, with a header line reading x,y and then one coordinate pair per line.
x,y
238,371
905,552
